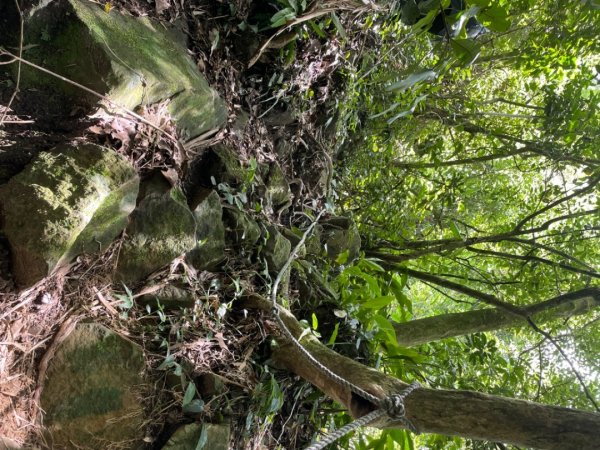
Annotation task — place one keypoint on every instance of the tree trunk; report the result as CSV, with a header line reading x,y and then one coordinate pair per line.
x,y
456,413
444,326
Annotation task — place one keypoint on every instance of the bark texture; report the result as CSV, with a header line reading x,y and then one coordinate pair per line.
x,y
444,326
456,413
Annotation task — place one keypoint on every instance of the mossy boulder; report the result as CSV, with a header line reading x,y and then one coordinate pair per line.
x,y
71,200
92,397
210,234
278,195
132,60
241,231
218,164
341,239
187,437
294,241
276,250
161,228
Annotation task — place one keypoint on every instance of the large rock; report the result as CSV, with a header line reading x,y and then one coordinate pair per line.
x,y
242,232
276,249
219,164
277,190
188,437
210,233
341,239
92,396
132,60
71,200
161,228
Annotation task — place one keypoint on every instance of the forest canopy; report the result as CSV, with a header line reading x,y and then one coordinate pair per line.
x,y
473,175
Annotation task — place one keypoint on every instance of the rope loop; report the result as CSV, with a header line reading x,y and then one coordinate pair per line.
x,y
394,406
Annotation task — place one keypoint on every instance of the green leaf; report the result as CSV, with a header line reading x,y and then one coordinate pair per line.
x,y
276,397
412,79
203,439
315,321
281,17
378,302
426,21
342,257
409,111
189,393
194,407
495,18
386,327
334,334
168,362
455,231
317,29
338,25
397,283
371,265
467,50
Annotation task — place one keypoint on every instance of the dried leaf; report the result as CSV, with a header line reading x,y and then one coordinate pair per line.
x,y
162,5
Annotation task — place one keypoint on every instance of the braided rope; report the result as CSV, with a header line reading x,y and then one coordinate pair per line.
x,y
394,408
392,405
332,437
324,370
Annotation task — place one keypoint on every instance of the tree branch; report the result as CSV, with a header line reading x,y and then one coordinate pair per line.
x,y
473,293
468,414
593,182
459,162
530,258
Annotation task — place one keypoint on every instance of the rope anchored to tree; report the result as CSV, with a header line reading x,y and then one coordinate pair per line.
x,y
392,405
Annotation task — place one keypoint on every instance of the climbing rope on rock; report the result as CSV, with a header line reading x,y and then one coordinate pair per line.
x,y
392,405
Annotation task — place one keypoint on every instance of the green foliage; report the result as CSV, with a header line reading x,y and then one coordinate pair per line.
x,y
125,302
290,9
478,164
372,297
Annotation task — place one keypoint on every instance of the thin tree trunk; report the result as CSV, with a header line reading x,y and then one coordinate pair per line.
x,y
455,413
459,162
444,326
447,245
532,258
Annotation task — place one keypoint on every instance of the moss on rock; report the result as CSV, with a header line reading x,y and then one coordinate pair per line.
x,y
92,396
134,61
161,228
71,200
210,234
